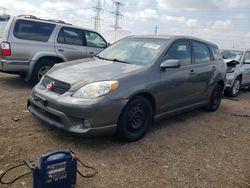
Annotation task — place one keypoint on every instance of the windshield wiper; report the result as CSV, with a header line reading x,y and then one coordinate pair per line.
x,y
120,61
103,58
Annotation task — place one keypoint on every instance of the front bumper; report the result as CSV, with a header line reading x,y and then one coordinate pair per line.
x,y
230,79
79,116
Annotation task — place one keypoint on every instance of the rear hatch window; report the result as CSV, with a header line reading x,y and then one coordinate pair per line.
x,y
33,30
3,22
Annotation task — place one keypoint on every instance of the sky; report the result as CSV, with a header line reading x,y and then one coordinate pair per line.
x,y
224,22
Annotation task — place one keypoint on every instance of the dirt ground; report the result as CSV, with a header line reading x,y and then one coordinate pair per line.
x,y
195,149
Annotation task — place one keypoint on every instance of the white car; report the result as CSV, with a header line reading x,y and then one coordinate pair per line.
x,y
238,70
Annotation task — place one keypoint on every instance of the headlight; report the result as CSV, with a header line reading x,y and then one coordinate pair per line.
x,y
230,69
96,89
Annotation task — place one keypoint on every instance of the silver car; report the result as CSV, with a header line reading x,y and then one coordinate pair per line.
x,y
30,46
238,70
129,84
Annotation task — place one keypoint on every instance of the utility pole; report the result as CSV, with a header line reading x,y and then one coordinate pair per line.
x,y
117,14
97,18
156,30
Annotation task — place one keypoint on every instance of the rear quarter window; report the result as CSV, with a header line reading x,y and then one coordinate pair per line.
x,y
30,30
216,53
201,53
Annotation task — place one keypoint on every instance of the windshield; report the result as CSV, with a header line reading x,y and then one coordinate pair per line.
x,y
139,51
232,54
3,23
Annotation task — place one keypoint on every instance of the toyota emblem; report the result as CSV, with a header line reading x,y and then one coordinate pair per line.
x,y
50,85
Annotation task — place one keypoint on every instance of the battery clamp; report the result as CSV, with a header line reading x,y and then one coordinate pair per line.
x,y
56,169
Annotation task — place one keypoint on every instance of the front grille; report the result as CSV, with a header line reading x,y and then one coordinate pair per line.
x,y
46,114
58,86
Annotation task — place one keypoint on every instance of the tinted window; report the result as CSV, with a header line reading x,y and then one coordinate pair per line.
x,y
216,53
71,36
180,51
201,53
94,40
30,30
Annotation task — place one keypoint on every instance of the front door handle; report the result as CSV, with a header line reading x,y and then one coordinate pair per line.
x,y
60,50
91,53
214,68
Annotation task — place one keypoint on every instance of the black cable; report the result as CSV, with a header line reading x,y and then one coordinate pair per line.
x,y
12,181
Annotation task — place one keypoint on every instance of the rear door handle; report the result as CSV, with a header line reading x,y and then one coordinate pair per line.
x,y
91,53
192,72
60,50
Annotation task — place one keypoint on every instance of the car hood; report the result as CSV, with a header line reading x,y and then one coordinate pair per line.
x,y
90,70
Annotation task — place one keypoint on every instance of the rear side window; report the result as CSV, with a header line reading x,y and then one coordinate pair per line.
x,y
94,40
71,36
181,51
216,53
30,30
201,53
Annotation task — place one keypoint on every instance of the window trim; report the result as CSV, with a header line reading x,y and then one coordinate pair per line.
x,y
190,47
84,42
19,20
205,44
98,35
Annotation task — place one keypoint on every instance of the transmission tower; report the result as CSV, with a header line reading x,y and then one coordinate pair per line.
x,y
117,14
156,30
4,10
97,18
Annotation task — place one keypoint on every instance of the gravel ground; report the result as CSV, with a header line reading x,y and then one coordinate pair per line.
x,y
195,149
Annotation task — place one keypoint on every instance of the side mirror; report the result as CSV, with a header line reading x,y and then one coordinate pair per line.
x,y
170,63
247,61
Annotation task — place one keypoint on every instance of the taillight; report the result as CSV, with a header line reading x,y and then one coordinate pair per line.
x,y
5,49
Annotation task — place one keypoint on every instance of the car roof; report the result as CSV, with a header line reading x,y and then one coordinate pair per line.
x,y
173,37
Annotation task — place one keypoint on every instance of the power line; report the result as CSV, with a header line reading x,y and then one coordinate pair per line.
x,y
97,18
117,14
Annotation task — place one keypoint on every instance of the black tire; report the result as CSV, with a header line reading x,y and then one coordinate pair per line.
x,y
41,67
235,89
135,119
215,98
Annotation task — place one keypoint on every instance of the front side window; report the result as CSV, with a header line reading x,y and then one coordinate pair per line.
x,y
30,30
94,40
201,53
71,36
247,57
180,51
139,51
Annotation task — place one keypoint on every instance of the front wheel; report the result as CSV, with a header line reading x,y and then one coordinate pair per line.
x,y
215,98
235,89
135,119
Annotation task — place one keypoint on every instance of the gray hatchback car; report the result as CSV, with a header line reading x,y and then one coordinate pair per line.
x,y
129,84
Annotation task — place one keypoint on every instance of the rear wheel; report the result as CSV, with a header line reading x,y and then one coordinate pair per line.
x,y
135,119
235,89
40,69
215,98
